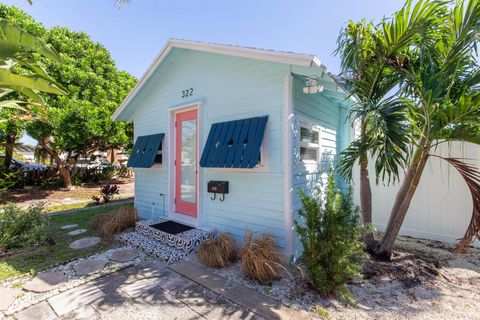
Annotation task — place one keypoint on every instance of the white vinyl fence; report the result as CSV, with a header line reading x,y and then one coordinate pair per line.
x,y
442,206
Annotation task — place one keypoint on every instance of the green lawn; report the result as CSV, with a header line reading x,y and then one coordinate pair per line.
x,y
31,260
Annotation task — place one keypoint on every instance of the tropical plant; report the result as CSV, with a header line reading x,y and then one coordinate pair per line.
x,y
370,54
17,46
330,232
439,89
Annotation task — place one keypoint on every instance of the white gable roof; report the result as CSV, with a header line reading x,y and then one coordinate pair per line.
x,y
291,58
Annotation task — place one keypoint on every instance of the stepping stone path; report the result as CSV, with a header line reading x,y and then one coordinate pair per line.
x,y
69,226
84,243
124,255
8,296
77,232
88,266
45,281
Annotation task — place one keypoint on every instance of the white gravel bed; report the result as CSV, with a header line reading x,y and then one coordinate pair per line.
x,y
424,281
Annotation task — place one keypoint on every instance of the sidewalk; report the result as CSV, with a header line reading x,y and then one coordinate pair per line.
x,y
154,290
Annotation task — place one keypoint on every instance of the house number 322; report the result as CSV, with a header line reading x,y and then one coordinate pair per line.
x,y
187,93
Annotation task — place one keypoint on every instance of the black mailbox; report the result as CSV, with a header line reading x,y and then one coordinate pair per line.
x,y
218,187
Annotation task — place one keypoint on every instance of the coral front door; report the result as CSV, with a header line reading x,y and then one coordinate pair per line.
x,y
186,162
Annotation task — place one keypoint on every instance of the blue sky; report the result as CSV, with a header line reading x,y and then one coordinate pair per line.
x,y
135,33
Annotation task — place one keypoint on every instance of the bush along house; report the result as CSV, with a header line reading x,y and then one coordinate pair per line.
x,y
224,137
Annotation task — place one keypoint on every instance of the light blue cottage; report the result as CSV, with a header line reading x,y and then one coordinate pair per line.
x,y
260,123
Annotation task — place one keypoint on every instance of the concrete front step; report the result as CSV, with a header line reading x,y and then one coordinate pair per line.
x,y
153,247
187,241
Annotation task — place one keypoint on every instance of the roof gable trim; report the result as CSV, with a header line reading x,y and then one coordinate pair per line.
x,y
303,60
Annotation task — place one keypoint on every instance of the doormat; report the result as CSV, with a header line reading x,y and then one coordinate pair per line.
x,y
171,227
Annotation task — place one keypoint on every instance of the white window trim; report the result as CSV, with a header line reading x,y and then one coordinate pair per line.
x,y
303,123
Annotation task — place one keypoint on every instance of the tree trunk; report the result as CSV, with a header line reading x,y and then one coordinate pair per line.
x,y
366,204
67,179
366,198
9,148
402,202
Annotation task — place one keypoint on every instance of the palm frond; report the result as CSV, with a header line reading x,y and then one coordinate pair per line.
x,y
13,40
471,175
15,81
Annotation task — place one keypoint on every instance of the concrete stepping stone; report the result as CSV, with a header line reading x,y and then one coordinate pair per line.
x,y
77,232
8,296
75,298
69,226
84,243
89,266
45,281
40,311
200,275
124,255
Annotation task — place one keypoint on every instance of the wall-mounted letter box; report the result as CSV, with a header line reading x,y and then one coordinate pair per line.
x,y
218,187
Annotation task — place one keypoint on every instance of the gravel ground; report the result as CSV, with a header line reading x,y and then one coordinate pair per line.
x,y
425,280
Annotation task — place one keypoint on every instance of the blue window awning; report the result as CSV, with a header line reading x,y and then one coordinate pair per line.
x,y
234,144
145,150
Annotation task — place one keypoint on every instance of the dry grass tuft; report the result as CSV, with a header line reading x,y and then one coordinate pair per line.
x,y
118,220
261,259
218,253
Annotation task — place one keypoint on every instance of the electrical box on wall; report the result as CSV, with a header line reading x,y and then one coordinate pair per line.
x,y
218,187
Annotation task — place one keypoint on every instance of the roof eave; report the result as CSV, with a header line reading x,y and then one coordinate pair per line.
x,y
301,60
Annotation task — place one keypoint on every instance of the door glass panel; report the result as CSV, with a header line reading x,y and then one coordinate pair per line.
x,y
188,161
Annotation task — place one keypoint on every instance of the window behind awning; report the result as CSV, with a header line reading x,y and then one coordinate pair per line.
x,y
145,150
234,144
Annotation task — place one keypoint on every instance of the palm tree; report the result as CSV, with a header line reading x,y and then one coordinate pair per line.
x,y
370,54
438,81
443,83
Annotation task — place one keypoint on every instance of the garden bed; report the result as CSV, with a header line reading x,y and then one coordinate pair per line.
x,y
425,280
56,198
30,260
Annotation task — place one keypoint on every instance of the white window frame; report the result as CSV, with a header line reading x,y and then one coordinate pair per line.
x,y
303,144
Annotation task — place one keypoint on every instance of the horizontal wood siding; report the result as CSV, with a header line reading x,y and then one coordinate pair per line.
x,y
231,88
320,111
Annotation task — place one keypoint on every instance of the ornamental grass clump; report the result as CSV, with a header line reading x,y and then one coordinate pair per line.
x,y
22,227
116,221
218,253
330,232
261,259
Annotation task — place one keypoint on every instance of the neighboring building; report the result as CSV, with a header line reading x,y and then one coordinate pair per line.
x,y
266,122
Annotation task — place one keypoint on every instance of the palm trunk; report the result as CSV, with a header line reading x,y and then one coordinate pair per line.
x,y
366,198
402,202
9,147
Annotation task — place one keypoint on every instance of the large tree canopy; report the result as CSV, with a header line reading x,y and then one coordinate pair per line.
x,y
78,122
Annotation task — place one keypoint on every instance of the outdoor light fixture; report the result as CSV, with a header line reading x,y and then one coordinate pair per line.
x,y
311,86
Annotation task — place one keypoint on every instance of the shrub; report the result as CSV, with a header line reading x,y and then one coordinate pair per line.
x,y
22,227
10,179
116,221
261,259
331,242
108,191
218,253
